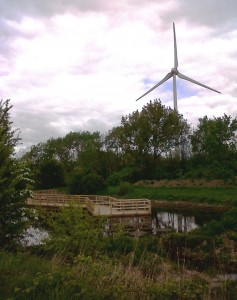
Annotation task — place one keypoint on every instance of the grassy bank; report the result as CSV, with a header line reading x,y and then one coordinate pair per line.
x,y
212,195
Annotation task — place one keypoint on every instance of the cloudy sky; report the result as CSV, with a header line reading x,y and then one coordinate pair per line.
x,y
79,65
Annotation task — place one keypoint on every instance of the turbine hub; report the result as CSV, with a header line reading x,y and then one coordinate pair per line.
x,y
175,71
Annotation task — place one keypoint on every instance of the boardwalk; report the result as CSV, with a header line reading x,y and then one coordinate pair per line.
x,y
96,205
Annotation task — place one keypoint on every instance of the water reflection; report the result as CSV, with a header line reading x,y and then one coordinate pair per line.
x,y
173,220
34,236
180,221
158,222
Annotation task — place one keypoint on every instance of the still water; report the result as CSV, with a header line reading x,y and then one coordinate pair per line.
x,y
34,236
175,221
180,221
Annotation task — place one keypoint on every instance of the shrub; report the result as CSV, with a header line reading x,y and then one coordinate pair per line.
x,y
50,175
72,231
125,188
92,184
230,219
114,179
83,183
129,174
215,228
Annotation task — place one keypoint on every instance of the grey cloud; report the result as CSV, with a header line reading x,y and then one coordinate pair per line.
x,y
213,13
38,124
14,9
7,33
39,121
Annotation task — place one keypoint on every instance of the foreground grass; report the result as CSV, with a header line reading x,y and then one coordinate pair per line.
x,y
220,195
25,276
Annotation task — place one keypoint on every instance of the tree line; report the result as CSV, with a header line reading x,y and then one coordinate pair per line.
x,y
154,143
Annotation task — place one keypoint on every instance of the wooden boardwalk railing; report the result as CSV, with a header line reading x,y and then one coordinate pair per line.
x,y
96,205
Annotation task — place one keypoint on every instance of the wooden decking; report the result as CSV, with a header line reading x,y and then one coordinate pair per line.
x,y
96,205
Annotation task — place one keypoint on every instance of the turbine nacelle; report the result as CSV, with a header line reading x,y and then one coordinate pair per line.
x,y
174,72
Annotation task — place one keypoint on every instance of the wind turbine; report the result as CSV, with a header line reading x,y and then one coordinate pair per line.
x,y
173,73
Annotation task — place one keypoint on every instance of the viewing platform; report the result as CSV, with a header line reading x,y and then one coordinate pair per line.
x,y
96,205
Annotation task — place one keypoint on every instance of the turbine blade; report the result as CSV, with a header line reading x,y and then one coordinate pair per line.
x,y
175,49
182,76
169,75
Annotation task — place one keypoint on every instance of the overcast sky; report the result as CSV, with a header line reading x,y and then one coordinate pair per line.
x,y
79,65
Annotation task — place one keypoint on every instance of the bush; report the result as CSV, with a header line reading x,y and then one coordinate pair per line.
x,y
230,219
50,175
92,184
72,231
120,244
215,228
114,179
129,174
83,183
125,188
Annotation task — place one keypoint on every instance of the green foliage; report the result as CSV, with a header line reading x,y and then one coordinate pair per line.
x,y
92,183
154,143
72,231
13,181
81,182
63,156
129,174
229,289
120,244
229,220
144,137
168,168
50,175
225,196
79,256
125,188
114,179
156,129
214,228
185,290
226,223
74,181
43,279
214,147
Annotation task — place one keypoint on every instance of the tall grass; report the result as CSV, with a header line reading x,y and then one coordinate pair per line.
x,y
28,277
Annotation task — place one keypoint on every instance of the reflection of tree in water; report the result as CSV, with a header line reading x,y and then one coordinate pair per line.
x,y
176,221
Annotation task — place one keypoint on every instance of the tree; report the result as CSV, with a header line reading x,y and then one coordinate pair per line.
x,y
214,145
145,138
76,149
13,181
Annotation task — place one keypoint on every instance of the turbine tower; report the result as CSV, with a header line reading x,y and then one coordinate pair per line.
x,y
173,73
